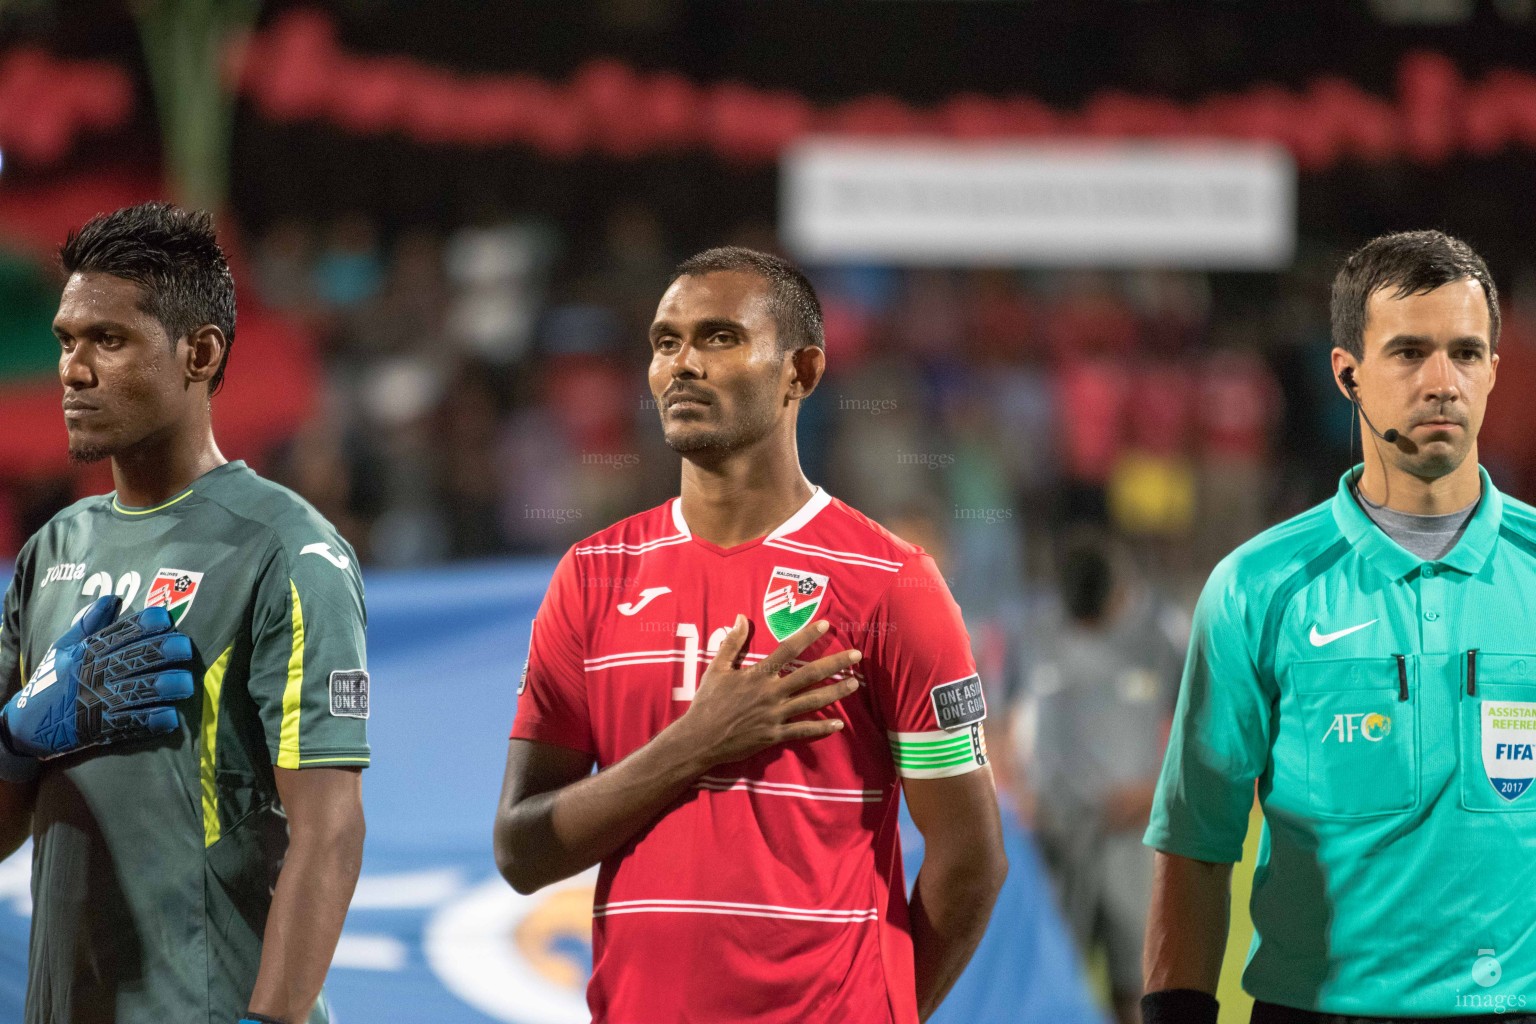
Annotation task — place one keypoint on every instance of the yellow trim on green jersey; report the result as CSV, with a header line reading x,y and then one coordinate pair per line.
x,y
146,511
293,692
213,685
354,759
208,789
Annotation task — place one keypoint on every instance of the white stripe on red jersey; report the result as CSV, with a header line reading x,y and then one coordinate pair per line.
x,y
752,896
733,910
789,789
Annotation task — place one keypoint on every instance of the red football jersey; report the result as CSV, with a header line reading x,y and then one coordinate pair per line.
x,y
772,891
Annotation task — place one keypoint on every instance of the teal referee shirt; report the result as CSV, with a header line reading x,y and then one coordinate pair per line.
x,y
1386,707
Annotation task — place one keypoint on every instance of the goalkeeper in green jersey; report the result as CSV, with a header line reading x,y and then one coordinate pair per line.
x,y
194,853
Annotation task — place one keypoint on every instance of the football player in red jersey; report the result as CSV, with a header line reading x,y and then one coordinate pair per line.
x,y
745,816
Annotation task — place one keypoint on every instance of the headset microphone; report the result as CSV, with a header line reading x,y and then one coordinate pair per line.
x,y
1347,378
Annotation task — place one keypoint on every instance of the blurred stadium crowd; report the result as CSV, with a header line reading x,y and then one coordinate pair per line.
x,y
485,395
480,313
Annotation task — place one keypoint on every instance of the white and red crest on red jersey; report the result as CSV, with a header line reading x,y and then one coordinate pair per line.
x,y
173,590
792,597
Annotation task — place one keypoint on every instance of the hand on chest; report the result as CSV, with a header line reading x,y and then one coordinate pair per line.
x,y
654,640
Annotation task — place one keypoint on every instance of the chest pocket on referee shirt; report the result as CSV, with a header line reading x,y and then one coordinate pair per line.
x,y
1361,737
1497,732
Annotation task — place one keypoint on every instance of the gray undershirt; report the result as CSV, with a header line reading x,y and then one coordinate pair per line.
x,y
1429,537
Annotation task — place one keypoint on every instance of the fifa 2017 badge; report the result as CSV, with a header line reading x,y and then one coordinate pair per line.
x,y
1509,746
173,590
792,598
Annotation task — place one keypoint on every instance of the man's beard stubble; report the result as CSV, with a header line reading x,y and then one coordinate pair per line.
x,y
82,454
1434,466
754,425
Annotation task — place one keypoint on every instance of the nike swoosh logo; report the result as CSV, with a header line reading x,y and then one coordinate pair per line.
x,y
647,595
1324,639
325,552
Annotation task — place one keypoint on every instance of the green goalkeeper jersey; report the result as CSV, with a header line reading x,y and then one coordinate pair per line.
x,y
154,861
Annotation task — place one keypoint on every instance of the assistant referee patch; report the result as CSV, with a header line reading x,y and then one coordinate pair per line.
x,y
349,693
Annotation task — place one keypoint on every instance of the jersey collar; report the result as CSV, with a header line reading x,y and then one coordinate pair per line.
x,y
818,500
1468,556
131,512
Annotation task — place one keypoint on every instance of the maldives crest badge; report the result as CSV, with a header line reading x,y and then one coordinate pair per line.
x,y
792,598
173,590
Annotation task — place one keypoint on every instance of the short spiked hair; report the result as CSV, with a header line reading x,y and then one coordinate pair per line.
x,y
174,258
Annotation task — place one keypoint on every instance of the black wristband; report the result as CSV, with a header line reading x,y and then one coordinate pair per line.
x,y
260,1018
1178,1006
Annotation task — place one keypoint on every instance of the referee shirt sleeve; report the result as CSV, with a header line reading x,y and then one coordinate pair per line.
x,y
1220,741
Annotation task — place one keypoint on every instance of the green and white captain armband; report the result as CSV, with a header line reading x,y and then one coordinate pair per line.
x,y
940,753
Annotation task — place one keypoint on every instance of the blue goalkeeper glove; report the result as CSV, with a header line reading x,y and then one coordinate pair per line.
x,y
103,681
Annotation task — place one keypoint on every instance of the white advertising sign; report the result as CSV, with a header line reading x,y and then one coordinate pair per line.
x,y
1205,205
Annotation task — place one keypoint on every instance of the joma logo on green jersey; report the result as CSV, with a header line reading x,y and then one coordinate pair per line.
x,y
66,572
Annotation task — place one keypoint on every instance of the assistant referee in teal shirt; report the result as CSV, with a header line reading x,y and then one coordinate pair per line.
x,y
1371,665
